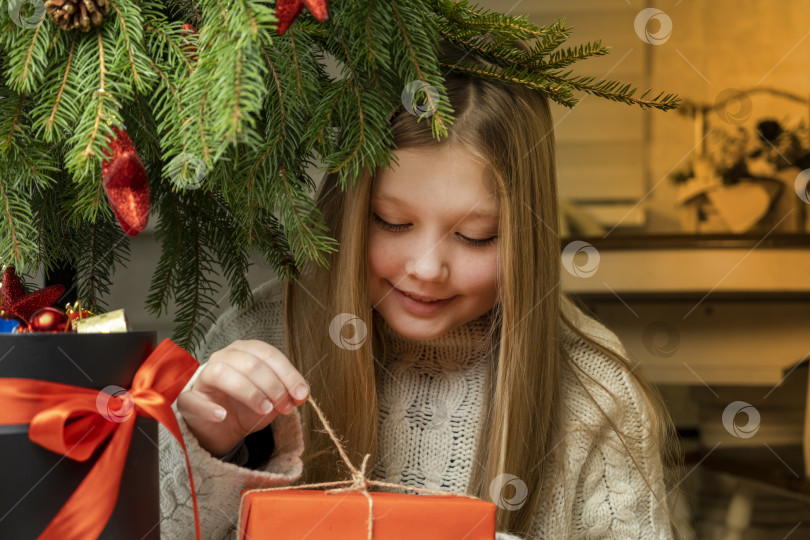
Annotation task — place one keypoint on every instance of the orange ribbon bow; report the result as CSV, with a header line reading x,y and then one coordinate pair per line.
x,y
66,419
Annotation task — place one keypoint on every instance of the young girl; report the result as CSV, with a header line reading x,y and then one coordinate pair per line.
x,y
468,370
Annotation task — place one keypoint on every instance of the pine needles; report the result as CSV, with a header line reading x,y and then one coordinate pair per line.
x,y
227,119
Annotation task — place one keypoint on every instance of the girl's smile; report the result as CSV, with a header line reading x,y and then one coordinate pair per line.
x,y
432,243
420,307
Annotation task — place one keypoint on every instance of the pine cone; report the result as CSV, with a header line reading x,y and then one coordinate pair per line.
x,y
81,14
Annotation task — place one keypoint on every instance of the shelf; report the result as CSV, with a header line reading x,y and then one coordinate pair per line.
x,y
691,266
700,309
622,242
710,342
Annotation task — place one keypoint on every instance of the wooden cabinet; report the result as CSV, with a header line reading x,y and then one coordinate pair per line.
x,y
693,310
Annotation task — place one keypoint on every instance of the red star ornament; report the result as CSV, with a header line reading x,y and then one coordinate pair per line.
x,y
288,10
16,303
125,182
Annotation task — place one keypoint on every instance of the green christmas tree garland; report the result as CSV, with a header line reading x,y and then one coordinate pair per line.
x,y
228,114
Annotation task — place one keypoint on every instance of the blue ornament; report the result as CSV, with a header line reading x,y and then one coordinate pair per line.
x,y
8,326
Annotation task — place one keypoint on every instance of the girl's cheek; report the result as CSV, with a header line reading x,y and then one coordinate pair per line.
x,y
471,268
380,252
478,273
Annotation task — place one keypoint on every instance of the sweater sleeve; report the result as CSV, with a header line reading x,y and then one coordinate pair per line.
x,y
615,488
219,484
622,491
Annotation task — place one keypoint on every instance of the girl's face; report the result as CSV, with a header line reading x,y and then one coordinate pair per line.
x,y
433,234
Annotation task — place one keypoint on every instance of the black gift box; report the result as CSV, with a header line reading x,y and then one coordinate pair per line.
x,y
34,482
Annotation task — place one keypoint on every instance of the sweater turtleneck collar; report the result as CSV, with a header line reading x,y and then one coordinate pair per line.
x,y
458,347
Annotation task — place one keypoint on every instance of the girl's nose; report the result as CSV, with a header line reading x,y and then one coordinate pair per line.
x,y
428,263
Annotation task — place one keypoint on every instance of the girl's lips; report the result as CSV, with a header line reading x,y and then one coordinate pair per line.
x,y
417,306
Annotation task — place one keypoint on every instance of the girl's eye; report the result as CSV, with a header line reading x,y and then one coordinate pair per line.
x,y
480,243
387,226
398,227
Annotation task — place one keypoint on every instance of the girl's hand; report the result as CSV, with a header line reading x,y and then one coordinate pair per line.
x,y
241,389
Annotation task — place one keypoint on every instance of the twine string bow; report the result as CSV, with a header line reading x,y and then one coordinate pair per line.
x,y
358,482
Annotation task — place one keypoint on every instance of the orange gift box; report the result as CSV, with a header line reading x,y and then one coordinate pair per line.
x,y
294,514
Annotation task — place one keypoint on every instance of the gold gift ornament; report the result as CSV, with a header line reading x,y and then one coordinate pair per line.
x,y
114,321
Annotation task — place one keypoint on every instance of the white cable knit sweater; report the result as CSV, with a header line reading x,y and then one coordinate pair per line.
x,y
430,397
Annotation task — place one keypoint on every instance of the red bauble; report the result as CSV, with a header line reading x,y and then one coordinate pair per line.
x,y
288,10
126,184
189,30
16,303
48,319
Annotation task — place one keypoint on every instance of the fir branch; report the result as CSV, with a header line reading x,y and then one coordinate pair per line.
x,y
559,93
231,250
59,106
164,38
52,241
615,91
295,63
188,256
471,22
131,31
195,305
93,132
560,59
168,234
409,30
10,129
101,96
27,55
23,82
379,61
361,118
303,222
100,247
51,118
555,36
545,61
167,104
233,91
28,160
16,227
467,22
274,247
277,83
254,107
184,10
168,46
142,130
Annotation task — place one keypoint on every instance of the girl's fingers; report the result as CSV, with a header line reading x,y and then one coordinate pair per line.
x,y
197,405
259,373
222,377
295,385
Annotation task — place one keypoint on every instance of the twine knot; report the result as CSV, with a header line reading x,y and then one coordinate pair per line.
x,y
358,482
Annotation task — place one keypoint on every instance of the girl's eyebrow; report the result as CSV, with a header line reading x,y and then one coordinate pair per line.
x,y
482,213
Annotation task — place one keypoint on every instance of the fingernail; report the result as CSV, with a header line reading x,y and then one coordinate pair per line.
x,y
300,391
219,414
266,406
286,407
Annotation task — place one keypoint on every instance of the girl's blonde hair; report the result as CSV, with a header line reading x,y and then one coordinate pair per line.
x,y
509,128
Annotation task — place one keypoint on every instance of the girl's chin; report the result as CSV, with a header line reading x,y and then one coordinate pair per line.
x,y
417,329
418,334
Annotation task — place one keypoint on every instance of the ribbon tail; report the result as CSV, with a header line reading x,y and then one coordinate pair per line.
x,y
175,430
165,415
156,385
87,511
